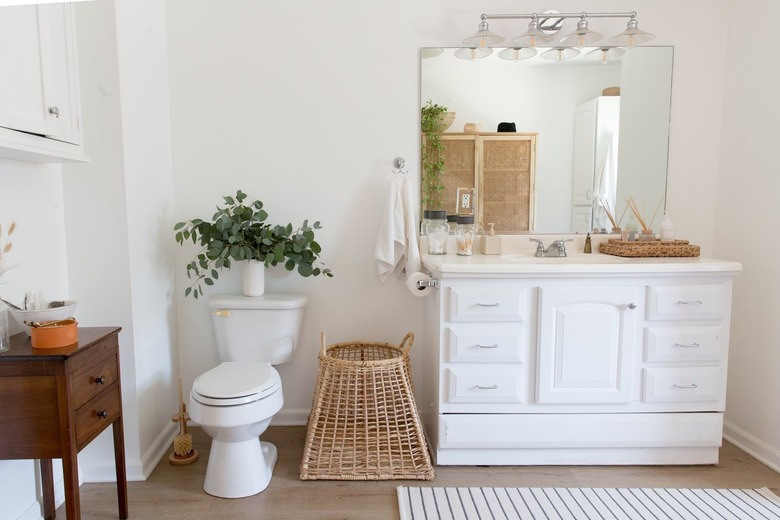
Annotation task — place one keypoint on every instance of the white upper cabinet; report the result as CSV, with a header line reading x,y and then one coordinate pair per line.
x,y
39,95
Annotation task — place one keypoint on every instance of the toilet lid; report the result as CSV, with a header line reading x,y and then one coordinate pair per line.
x,y
233,382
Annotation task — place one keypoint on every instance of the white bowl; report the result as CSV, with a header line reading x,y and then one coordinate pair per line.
x,y
55,313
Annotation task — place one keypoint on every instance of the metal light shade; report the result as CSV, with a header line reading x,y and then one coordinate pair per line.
x,y
533,36
605,54
473,53
483,37
582,36
517,53
632,35
560,53
431,52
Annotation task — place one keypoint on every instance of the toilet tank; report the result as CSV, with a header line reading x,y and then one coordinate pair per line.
x,y
257,328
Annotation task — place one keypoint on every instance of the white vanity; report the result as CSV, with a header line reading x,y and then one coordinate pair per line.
x,y
589,359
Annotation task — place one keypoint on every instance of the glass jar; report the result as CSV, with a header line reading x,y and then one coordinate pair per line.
x,y
437,231
465,232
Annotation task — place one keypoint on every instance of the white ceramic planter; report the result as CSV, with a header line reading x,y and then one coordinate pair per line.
x,y
254,278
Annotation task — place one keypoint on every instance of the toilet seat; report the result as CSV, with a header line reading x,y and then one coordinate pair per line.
x,y
233,383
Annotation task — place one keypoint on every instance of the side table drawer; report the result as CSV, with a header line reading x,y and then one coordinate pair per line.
x,y
88,382
96,415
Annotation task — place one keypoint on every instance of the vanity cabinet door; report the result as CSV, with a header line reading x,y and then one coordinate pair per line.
x,y
586,344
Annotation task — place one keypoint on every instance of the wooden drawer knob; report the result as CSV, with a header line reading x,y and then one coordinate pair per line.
x,y
100,380
103,414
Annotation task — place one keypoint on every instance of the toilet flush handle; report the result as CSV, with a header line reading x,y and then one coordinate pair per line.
x,y
225,313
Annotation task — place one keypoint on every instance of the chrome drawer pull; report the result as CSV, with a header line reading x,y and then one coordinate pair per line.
x,y
491,387
487,346
102,414
100,380
686,387
687,345
692,302
488,304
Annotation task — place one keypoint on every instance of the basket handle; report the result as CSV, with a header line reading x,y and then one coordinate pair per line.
x,y
410,338
324,345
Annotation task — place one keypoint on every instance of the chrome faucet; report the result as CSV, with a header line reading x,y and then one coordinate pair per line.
x,y
556,248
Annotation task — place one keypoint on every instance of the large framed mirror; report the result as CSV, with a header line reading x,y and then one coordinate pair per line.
x,y
601,129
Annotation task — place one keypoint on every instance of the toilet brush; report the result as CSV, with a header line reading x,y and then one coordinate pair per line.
x,y
183,452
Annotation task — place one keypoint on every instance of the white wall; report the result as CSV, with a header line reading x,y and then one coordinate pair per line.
x,y
308,113
30,195
746,217
278,100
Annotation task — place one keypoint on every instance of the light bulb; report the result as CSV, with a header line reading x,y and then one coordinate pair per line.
x,y
532,42
631,42
581,41
604,57
483,43
559,55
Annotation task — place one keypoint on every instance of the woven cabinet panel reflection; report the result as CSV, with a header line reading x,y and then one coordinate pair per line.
x,y
501,168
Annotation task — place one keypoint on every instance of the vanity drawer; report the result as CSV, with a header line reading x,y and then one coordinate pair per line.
x,y
686,302
499,343
676,385
93,417
492,303
484,385
679,344
89,381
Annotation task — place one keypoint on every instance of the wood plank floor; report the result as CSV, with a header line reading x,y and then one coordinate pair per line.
x,y
175,492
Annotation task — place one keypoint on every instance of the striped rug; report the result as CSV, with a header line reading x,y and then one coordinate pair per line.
x,y
485,503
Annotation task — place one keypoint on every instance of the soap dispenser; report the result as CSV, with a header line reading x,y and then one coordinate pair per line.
x,y
587,244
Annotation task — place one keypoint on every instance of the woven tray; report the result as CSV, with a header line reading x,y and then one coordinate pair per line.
x,y
649,248
364,423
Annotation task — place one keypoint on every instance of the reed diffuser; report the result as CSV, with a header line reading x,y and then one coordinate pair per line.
x,y
641,218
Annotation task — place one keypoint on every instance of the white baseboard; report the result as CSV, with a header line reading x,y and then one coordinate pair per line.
x,y
291,417
752,445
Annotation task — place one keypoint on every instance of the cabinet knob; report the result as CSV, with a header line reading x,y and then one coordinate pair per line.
x,y
102,414
100,380
631,306
55,111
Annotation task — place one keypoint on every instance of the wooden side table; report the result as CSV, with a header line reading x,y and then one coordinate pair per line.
x,y
53,402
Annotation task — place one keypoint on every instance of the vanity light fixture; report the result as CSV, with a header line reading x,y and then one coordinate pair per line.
x,y
542,27
605,54
483,37
632,35
473,53
517,53
560,53
533,36
582,36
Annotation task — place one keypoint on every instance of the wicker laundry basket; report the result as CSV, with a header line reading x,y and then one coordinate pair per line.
x,y
364,423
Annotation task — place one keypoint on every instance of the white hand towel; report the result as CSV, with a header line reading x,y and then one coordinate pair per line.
x,y
391,238
413,262
396,243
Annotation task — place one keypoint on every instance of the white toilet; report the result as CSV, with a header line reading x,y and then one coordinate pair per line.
x,y
235,401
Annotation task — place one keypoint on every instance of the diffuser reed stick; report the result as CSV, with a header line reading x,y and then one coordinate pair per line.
x,y
608,211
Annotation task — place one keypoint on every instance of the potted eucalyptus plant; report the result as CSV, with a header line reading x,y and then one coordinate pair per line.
x,y
238,232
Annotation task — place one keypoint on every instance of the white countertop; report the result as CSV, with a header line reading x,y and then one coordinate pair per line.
x,y
575,263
